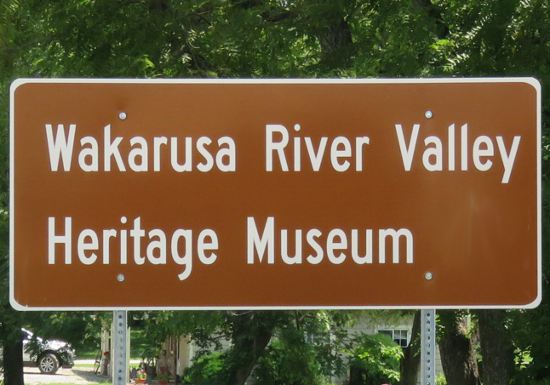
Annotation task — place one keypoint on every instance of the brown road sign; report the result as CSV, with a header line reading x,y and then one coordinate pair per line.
x,y
275,193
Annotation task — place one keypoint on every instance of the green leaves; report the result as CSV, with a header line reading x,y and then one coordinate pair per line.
x,y
377,355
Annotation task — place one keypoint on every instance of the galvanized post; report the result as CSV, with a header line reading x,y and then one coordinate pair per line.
x,y
427,347
120,353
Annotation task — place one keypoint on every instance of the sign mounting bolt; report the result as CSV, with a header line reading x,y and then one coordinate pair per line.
x,y
429,276
428,114
122,115
120,278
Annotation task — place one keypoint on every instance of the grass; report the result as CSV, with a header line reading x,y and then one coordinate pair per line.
x,y
87,354
139,343
79,365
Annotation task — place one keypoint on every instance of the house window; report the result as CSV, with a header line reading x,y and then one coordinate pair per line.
x,y
398,335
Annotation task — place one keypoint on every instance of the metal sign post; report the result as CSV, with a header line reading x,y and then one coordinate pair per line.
x,y
427,347
120,353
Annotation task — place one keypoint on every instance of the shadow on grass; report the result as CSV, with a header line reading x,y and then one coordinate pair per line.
x,y
90,376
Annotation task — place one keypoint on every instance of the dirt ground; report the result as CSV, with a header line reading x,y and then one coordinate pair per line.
x,y
76,375
82,374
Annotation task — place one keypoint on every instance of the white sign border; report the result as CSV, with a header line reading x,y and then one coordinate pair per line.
x,y
21,81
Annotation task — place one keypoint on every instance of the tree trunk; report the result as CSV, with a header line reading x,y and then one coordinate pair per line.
x,y
434,13
410,363
13,361
496,347
252,332
334,34
457,350
337,48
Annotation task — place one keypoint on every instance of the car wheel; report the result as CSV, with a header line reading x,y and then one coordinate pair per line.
x,y
48,363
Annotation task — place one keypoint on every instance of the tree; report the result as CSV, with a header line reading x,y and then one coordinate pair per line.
x,y
457,350
410,364
250,334
374,360
276,38
311,341
10,320
496,347
500,38
12,359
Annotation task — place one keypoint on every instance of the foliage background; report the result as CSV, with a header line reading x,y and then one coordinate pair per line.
x,y
276,38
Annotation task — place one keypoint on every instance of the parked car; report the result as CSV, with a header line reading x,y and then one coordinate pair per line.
x,y
48,355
